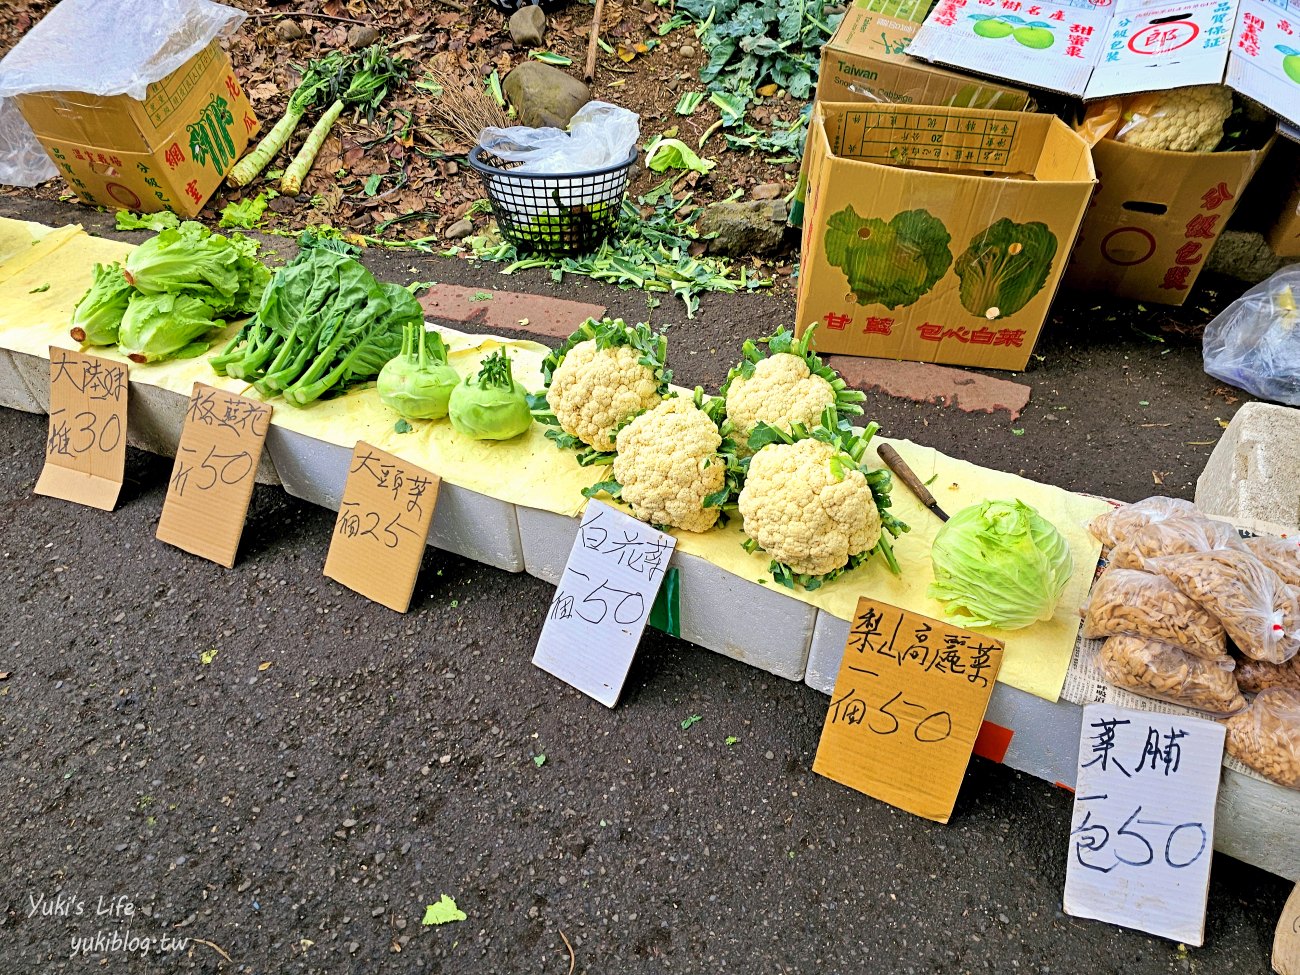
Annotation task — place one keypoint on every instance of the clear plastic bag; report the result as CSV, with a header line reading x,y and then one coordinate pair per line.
x,y
1257,609
1254,343
1256,675
1266,736
101,47
1176,536
1112,527
1126,602
1166,673
1282,555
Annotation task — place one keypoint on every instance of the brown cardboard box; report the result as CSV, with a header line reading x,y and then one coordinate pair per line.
x,y
872,170
168,152
1284,235
1155,219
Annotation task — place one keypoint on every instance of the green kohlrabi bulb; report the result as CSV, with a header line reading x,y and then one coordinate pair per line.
x,y
417,383
491,405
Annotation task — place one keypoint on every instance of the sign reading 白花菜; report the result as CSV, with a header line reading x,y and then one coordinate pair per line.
x,y
85,448
1142,834
906,709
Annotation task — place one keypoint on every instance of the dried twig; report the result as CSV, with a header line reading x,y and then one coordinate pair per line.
x,y
590,73
305,13
463,109
215,948
573,960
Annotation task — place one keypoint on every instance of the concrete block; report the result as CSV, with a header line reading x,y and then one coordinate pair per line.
x,y
465,522
547,539
34,371
825,651
13,391
1254,472
1244,255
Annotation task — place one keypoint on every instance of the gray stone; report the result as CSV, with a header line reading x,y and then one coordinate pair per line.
x,y
362,35
288,30
744,229
686,51
460,229
543,95
528,26
1244,255
1254,472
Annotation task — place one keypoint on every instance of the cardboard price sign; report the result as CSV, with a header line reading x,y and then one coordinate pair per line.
x,y
601,605
212,479
382,527
1142,835
907,706
85,449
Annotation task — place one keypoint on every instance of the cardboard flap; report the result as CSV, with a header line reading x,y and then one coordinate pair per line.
x,y
1159,46
1265,59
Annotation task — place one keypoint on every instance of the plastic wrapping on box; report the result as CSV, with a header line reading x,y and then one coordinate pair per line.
x,y
100,47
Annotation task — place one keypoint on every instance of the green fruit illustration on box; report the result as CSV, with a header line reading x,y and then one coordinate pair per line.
x,y
992,27
1290,62
1035,34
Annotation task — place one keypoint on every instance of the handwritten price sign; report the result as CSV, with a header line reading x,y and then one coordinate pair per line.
x,y
906,709
1143,828
85,449
595,621
382,527
212,479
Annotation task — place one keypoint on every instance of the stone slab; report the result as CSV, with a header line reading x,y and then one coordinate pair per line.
x,y
1254,472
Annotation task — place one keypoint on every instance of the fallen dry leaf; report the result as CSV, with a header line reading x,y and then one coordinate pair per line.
x,y
264,665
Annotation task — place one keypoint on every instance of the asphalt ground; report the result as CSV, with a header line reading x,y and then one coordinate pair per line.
x,y
298,817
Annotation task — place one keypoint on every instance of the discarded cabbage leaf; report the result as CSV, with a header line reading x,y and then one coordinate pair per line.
x,y
165,327
676,154
98,315
999,563
443,912
162,220
247,213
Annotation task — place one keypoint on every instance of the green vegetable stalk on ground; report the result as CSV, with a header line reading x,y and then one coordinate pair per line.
x,y
418,383
892,263
491,405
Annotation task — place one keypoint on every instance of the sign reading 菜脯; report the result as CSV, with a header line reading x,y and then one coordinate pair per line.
x,y
601,605
382,527
212,479
906,709
1143,829
85,448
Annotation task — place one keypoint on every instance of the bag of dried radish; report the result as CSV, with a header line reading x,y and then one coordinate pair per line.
x,y
1282,555
1175,536
1165,672
1112,527
1126,602
1266,736
1256,675
1257,609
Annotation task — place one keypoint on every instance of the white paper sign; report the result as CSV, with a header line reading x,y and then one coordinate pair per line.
x,y
1142,836
604,598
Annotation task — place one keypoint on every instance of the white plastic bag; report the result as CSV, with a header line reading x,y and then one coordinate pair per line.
x,y
600,135
1254,343
101,47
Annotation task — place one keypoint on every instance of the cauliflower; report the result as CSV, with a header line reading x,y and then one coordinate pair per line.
x,y
812,506
669,468
604,374
1183,119
789,386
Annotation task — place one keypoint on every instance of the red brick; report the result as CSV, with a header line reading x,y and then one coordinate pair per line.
x,y
924,382
503,311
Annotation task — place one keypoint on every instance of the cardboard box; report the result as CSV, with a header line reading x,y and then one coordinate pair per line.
x,y
168,152
906,173
1284,234
1099,49
1155,218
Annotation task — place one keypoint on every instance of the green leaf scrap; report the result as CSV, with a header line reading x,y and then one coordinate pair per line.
x,y
443,912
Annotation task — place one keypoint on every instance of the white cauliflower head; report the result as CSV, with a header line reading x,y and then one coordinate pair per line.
x,y
1182,120
797,511
781,391
594,390
668,464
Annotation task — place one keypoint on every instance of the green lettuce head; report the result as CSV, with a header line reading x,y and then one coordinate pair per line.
x,y
999,563
165,327
491,405
192,260
98,314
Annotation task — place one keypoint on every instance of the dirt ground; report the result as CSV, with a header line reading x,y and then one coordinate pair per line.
x,y
298,817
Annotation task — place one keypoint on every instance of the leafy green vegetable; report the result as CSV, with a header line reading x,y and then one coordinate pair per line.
x,y
891,263
417,383
162,220
98,315
40,289
165,326
191,259
401,426
689,102
491,405
247,213
1004,267
443,912
999,563
693,719
675,154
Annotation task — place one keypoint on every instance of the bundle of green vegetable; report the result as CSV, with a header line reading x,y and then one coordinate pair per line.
x,y
174,289
999,563
811,503
324,325
491,405
418,382
785,385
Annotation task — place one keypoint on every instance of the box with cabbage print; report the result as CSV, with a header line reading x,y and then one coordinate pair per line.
x,y
937,234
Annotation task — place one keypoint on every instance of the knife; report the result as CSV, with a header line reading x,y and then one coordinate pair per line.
x,y
905,474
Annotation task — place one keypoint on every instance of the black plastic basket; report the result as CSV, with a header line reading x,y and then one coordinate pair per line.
x,y
553,213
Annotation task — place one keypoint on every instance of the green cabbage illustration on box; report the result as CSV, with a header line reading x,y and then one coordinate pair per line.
x,y
891,263
1004,267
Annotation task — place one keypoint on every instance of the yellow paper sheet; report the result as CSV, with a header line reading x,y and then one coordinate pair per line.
x,y
532,472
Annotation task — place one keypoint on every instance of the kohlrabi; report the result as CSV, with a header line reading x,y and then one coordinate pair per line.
x,y
491,405
417,383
